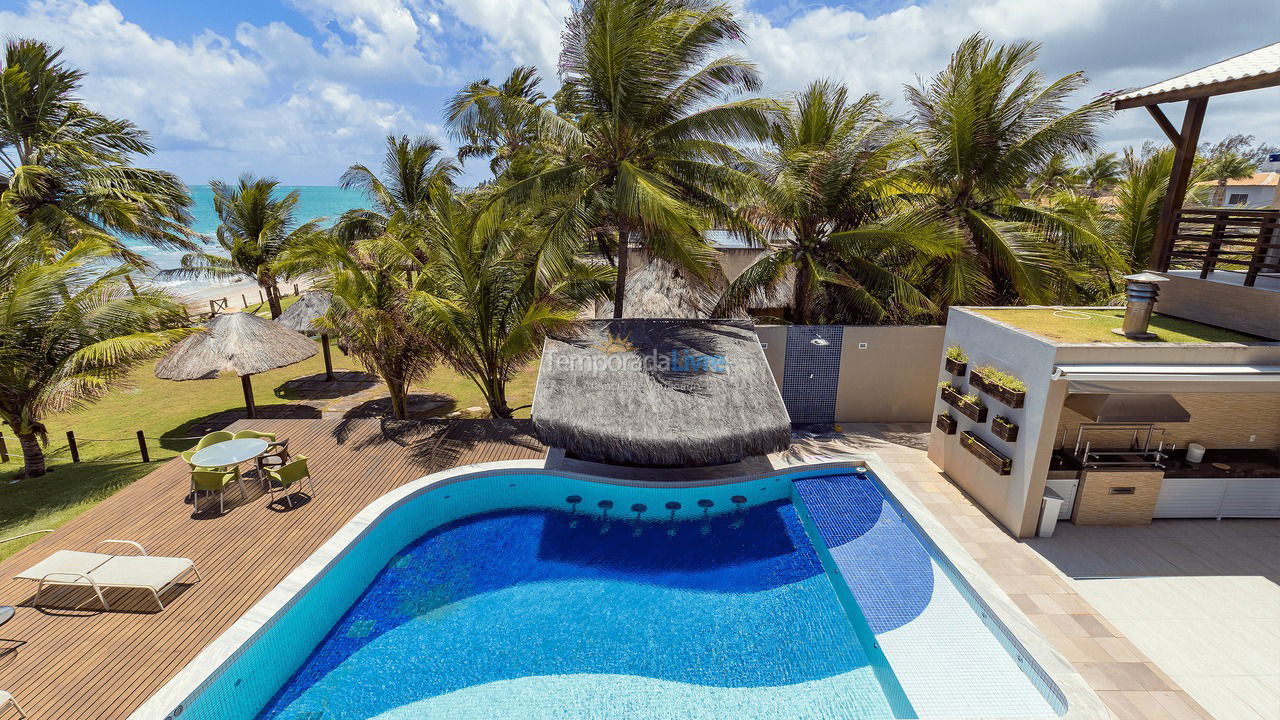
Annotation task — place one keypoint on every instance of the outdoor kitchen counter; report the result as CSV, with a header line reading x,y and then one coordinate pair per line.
x,y
1242,464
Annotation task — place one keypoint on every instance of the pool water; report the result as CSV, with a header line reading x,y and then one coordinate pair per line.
x,y
567,613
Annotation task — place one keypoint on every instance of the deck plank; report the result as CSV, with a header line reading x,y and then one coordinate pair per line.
x,y
93,664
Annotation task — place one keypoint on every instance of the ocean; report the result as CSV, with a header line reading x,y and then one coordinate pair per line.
x,y
315,201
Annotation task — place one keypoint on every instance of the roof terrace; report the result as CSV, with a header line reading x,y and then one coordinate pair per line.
x,y
1094,325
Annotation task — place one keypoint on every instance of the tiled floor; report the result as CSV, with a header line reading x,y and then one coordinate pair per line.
x,y
1199,597
1132,686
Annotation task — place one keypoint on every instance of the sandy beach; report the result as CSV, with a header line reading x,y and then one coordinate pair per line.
x,y
237,294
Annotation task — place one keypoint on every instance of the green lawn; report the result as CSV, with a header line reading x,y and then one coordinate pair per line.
x,y
1089,325
105,433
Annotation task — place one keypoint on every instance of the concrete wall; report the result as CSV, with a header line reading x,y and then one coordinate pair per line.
x,y
888,373
892,379
734,260
1253,310
1014,499
1229,412
774,339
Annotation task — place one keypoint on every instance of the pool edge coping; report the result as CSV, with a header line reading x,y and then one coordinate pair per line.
x,y
207,666
1081,699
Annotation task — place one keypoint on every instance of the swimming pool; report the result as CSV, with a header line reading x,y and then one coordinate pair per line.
x,y
534,594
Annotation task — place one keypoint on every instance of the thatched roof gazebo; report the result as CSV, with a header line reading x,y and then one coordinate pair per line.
x,y
238,342
301,317
660,289
659,392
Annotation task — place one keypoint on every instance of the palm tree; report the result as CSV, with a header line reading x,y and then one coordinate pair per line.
x,y
642,135
415,170
489,123
70,330
982,125
68,171
1224,167
1100,173
255,227
827,201
1055,175
483,301
369,309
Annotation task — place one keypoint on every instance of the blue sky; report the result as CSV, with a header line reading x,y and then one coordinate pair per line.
x,y
300,89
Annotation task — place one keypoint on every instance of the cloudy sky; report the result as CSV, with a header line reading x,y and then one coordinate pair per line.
x,y
300,89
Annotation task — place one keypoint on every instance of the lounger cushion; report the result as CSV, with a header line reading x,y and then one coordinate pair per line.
x,y
4,698
65,561
140,570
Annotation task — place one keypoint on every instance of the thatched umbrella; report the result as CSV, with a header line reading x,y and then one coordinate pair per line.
x,y
302,315
238,342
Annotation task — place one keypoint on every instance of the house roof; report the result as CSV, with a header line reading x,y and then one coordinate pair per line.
x,y
1248,71
1264,179
607,392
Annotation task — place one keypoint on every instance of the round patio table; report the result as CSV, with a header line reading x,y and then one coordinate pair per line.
x,y
229,452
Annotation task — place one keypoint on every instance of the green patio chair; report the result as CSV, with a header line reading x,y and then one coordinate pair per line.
x,y
287,476
208,481
276,455
254,434
214,438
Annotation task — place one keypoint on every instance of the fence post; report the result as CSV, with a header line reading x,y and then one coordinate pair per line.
x,y
142,445
295,288
4,451
261,299
244,301
71,443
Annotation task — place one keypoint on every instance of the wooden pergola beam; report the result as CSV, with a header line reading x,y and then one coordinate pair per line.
x,y
1184,156
1255,82
1163,121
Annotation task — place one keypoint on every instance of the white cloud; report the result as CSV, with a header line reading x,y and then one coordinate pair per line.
x,y
220,107
304,102
1119,43
517,32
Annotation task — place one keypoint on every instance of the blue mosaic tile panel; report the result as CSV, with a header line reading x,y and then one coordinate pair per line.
x,y
811,373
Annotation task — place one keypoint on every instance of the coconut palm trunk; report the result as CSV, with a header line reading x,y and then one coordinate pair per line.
x,y
32,454
620,284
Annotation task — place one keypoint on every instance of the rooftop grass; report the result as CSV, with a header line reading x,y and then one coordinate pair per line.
x,y
105,435
1089,325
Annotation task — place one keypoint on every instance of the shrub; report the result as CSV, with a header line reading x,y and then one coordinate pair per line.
x,y
1002,378
957,354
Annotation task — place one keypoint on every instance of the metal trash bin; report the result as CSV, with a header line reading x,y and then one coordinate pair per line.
x,y
1050,506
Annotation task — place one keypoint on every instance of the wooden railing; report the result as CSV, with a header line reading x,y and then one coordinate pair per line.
x,y
1226,240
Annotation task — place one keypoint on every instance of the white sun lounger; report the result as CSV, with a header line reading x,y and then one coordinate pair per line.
x,y
6,701
100,570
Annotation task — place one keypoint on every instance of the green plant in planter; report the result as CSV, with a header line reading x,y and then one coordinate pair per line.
x,y
1002,420
973,399
956,353
1001,378
947,385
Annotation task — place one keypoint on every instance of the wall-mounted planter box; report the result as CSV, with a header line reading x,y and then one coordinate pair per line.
x,y
955,367
973,411
1007,432
946,424
1012,398
989,456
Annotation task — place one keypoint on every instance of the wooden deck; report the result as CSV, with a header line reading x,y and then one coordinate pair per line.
x,y
86,663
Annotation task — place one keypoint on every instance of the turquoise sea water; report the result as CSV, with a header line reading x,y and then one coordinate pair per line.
x,y
315,201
